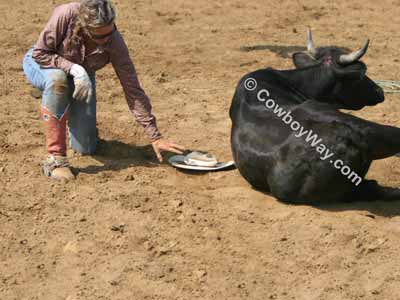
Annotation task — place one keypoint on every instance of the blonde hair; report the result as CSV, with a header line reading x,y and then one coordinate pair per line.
x,y
92,14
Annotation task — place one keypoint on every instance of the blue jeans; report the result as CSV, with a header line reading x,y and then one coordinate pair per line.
x,y
57,88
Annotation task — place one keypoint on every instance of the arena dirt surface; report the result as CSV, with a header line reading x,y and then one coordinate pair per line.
x,y
130,228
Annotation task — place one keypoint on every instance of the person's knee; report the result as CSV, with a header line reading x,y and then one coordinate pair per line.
x,y
57,82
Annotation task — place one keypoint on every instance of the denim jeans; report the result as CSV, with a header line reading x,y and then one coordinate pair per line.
x,y
57,88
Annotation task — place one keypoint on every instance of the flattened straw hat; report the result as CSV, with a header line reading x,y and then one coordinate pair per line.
x,y
199,161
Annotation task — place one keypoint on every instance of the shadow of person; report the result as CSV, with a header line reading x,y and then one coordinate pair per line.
x,y
115,155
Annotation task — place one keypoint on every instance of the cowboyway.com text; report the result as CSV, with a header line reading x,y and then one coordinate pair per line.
x,y
310,137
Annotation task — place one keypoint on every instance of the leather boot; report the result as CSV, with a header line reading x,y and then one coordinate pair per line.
x,y
56,165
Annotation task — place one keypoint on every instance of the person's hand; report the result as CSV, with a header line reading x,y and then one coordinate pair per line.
x,y
83,84
164,145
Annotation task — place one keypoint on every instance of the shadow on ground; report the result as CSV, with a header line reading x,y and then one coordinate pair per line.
x,y
280,50
116,155
373,206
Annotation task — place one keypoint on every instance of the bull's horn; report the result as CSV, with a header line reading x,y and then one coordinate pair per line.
x,y
346,59
310,44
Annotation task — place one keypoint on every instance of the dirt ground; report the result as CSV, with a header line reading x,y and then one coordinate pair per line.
x,y
130,228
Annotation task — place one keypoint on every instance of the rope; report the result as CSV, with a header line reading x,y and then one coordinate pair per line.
x,y
389,86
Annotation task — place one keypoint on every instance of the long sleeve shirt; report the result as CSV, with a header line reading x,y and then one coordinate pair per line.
x,y
54,49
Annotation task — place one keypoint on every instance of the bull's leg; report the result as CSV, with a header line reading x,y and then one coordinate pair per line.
x,y
370,190
383,141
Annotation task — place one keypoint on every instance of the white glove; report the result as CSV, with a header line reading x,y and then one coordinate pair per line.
x,y
83,85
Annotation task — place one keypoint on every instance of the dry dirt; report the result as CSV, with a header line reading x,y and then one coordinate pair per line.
x,y
130,228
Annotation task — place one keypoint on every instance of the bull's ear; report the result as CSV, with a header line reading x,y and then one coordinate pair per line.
x,y
301,59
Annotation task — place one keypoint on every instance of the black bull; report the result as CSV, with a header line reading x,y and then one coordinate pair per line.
x,y
316,153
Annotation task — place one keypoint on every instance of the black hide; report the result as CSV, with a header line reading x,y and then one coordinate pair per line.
x,y
272,159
